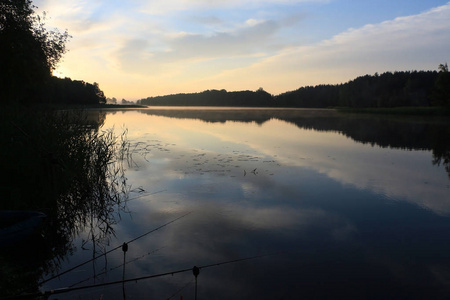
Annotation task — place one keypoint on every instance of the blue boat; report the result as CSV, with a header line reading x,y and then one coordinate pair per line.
x,y
17,225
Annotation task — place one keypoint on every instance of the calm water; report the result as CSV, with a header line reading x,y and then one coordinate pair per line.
x,y
326,206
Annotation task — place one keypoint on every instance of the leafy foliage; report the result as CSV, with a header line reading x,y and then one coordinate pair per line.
x,y
29,53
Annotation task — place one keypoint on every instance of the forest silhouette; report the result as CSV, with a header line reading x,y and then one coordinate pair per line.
x,y
398,89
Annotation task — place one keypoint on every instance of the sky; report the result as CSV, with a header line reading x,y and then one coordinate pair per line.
x,y
137,49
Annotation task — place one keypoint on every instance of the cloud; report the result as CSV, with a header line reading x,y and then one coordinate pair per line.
x,y
196,45
414,42
405,43
240,42
79,16
255,38
138,43
396,37
207,20
167,6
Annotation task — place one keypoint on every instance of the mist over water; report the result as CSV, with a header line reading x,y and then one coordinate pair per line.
x,y
326,206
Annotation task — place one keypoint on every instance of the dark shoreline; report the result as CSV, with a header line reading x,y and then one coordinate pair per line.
x,y
406,111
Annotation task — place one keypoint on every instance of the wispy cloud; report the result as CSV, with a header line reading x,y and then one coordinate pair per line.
x,y
414,42
200,44
253,39
165,6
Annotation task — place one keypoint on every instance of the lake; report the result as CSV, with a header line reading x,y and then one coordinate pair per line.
x,y
275,204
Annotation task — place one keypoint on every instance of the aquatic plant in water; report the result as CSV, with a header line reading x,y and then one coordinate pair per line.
x,y
61,163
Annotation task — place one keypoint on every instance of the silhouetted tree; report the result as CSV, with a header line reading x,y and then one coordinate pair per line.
x,y
441,93
112,100
68,91
28,52
443,68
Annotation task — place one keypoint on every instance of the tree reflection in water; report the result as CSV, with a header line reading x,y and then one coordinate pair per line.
x,y
441,151
387,131
63,165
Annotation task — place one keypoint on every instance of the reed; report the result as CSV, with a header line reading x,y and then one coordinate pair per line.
x,y
64,164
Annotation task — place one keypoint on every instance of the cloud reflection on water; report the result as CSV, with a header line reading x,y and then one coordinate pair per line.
x,y
343,215
276,147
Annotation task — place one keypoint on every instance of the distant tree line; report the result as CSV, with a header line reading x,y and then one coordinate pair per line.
x,y
213,98
398,89
29,54
114,100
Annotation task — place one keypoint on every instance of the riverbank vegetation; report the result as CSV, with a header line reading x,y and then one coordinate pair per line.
x,y
61,164
58,162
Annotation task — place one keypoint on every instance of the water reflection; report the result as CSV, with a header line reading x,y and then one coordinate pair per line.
x,y
397,133
403,132
346,210
74,175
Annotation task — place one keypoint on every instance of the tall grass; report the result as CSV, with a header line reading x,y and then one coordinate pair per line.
x,y
64,164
